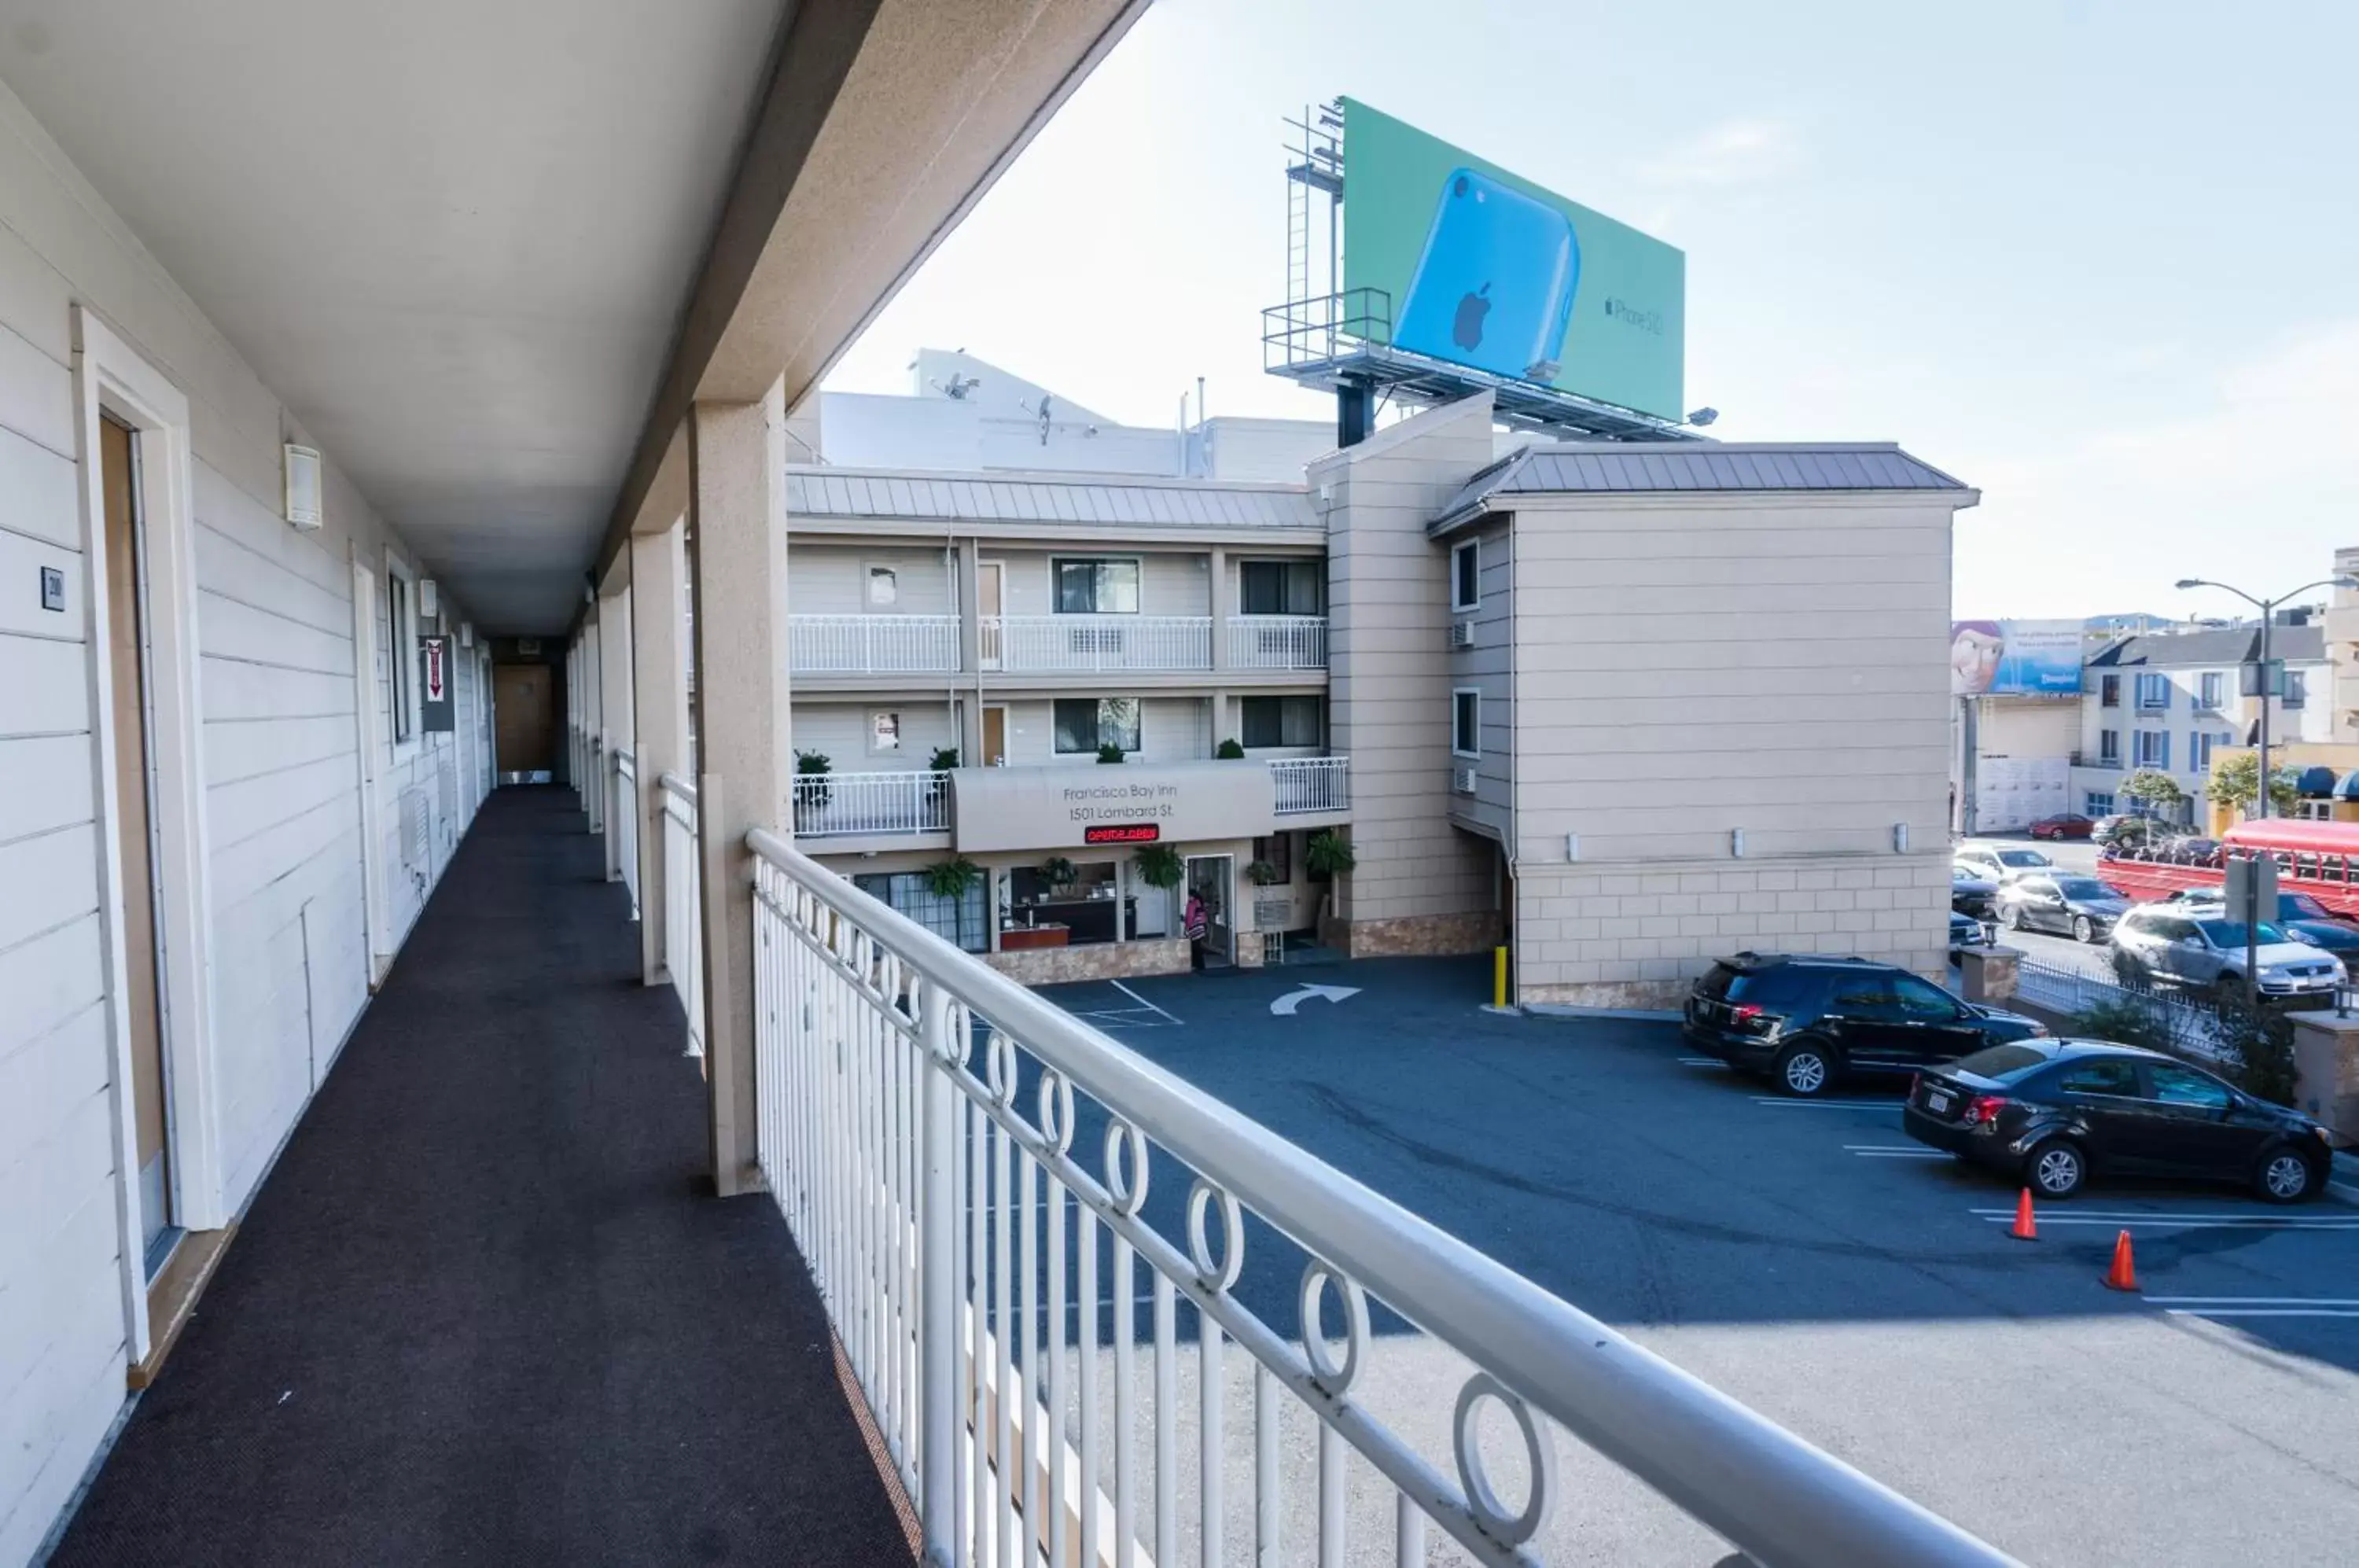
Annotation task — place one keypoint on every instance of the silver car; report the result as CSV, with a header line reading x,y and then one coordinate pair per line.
x,y
2205,949
2000,861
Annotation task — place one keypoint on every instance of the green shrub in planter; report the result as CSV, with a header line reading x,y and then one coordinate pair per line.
x,y
1109,753
812,769
1230,751
945,759
1329,853
1059,873
1262,874
952,878
1159,865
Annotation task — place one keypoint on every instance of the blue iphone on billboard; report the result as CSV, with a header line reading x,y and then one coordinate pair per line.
x,y
1493,285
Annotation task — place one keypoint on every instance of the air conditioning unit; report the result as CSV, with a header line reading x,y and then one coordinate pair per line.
x,y
1462,780
306,508
1461,634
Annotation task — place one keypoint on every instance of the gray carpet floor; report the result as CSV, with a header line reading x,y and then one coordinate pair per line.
x,y
486,1309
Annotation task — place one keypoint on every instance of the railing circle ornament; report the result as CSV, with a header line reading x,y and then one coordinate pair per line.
x,y
999,1069
1216,1278
1056,1111
1491,1515
1129,1191
1335,1377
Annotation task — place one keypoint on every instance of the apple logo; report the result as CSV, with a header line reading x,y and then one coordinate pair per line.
x,y
1466,332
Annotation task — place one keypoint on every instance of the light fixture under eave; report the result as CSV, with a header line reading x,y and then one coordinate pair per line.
x,y
305,507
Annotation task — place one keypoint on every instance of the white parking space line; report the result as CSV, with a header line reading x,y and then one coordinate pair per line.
x,y
1891,1151
1169,1016
1702,1061
2123,1220
2251,1301
2262,1312
1827,1103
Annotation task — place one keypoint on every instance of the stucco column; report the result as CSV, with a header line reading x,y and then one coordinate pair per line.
x,y
658,719
1220,611
967,591
614,706
593,761
737,501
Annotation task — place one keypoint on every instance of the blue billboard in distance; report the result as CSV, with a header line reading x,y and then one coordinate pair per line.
x,y
2014,659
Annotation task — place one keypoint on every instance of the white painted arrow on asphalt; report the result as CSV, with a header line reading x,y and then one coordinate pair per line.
x,y
1284,1007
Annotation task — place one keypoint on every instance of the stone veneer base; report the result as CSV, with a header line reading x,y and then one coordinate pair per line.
x,y
1415,936
1092,960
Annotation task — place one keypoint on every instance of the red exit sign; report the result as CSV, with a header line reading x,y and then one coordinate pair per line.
x,y
1123,833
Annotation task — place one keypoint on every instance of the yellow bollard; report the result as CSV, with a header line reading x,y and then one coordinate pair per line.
x,y
1499,978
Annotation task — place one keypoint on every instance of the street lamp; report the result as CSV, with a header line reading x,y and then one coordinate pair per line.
x,y
2268,608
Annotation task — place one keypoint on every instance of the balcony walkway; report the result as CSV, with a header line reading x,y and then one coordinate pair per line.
x,y
483,1311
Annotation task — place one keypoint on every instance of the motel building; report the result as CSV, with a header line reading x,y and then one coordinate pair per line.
x,y
471,1089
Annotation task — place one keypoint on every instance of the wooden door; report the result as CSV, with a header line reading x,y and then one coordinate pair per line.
x,y
995,738
990,592
525,715
135,818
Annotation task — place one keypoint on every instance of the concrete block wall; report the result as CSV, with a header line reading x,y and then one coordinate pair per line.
x,y
1639,935
1420,885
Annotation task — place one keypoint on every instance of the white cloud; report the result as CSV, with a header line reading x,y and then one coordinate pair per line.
x,y
1736,152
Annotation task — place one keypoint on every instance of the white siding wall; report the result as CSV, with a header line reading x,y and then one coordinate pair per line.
x,y
277,699
1487,668
832,580
840,732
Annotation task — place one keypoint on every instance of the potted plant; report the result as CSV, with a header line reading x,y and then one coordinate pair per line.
x,y
953,880
1059,873
811,788
1230,751
1159,865
1329,855
1262,874
1109,753
945,759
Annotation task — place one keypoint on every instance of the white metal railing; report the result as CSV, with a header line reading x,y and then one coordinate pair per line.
x,y
683,914
627,822
910,801
1077,643
956,1240
2191,1027
1311,783
871,644
1278,642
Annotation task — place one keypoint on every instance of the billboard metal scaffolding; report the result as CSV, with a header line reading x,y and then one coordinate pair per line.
x,y
1340,341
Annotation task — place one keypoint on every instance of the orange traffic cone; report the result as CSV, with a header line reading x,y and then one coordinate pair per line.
x,y
2123,1275
2024,1229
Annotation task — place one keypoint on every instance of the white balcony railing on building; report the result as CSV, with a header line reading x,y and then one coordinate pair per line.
x,y
1278,642
916,1119
683,948
835,804
871,644
626,819
1311,783
1079,644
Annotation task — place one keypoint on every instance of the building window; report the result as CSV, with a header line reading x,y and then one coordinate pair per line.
x,y
2096,804
1277,852
1085,724
2199,748
2153,748
2109,692
1466,721
883,588
1466,575
2296,689
884,732
2211,689
1096,587
2109,748
1281,588
401,633
961,920
1282,720
2153,693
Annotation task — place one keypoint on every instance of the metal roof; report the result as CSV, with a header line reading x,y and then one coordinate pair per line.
x,y
1054,499
2215,646
1633,467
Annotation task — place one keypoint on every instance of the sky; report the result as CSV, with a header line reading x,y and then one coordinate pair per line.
x,y
2096,260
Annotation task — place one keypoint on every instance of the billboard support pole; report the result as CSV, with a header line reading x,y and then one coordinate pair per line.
x,y
1354,409
1969,734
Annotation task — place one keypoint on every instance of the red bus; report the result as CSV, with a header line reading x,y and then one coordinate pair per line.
x,y
2317,858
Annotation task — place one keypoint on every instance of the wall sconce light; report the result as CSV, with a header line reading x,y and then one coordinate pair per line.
x,y
1900,838
1736,843
1573,846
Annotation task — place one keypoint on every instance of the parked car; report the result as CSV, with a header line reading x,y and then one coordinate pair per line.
x,y
1971,892
2184,850
2063,825
1806,1020
1967,931
2078,907
2299,916
2196,946
2128,826
2000,861
2052,1113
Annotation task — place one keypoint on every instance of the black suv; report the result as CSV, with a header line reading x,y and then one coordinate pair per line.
x,y
1806,1020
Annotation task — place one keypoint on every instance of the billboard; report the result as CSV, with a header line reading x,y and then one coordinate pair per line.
x,y
1488,270
2014,659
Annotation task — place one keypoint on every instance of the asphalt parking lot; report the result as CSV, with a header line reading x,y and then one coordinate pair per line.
x,y
1813,1262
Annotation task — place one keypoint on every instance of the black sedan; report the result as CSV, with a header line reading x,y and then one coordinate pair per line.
x,y
1973,893
2052,1113
2078,907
